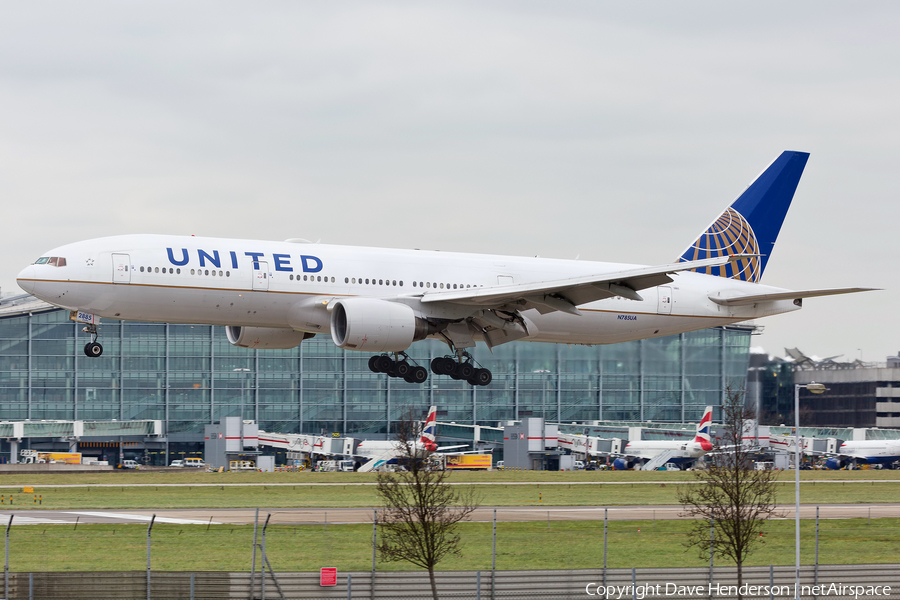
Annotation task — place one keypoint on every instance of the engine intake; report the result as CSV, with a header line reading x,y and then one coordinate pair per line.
x,y
373,325
265,338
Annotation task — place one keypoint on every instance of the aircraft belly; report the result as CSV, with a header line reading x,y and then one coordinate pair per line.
x,y
601,327
171,304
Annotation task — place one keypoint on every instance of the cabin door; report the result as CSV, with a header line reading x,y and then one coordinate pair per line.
x,y
121,268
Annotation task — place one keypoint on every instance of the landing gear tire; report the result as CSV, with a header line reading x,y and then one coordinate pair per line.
x,y
417,375
464,371
442,365
481,377
384,363
373,363
400,368
93,349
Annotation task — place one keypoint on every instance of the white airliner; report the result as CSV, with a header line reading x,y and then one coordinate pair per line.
x,y
871,452
371,454
276,294
669,451
380,452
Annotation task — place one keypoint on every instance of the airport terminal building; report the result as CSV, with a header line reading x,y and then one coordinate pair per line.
x,y
189,376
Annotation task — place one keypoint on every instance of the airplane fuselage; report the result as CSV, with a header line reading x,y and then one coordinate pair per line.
x,y
250,283
872,451
648,449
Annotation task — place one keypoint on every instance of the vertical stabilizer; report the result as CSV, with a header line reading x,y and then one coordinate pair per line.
x,y
428,439
703,428
751,224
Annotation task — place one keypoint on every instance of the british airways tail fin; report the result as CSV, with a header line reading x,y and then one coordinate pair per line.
x,y
428,439
751,224
703,428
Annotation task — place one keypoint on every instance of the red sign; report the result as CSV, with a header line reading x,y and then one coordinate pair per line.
x,y
328,576
521,436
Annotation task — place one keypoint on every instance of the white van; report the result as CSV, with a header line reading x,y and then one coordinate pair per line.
x,y
129,464
194,462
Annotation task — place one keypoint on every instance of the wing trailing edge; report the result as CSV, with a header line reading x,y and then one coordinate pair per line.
x,y
567,294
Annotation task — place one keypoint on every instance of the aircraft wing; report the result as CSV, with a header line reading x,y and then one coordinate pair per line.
x,y
566,294
445,448
795,295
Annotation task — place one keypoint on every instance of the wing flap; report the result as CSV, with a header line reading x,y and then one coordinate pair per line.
x,y
789,295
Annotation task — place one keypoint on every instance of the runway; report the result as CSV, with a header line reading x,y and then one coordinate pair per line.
x,y
321,516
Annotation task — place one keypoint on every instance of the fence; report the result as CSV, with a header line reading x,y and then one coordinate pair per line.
x,y
164,560
629,584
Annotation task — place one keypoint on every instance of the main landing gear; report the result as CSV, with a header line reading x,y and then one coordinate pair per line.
x,y
93,348
461,368
400,367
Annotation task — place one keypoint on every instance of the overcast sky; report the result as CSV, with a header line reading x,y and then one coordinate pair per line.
x,y
609,131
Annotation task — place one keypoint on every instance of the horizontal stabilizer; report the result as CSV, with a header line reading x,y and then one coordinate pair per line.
x,y
795,295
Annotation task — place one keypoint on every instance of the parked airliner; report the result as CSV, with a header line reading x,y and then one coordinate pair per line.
x,y
870,452
674,451
380,452
273,295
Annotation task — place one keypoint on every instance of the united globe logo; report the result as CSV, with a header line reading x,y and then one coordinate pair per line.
x,y
729,234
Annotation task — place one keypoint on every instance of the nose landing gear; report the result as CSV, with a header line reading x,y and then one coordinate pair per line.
x,y
93,348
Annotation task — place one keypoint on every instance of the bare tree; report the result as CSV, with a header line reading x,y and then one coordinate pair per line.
x,y
731,493
421,509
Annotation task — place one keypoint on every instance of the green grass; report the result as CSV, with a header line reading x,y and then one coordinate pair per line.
x,y
347,496
520,545
564,545
188,476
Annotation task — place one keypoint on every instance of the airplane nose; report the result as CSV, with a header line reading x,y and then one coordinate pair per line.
x,y
26,278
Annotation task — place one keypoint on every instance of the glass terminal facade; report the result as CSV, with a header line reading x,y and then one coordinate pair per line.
x,y
189,376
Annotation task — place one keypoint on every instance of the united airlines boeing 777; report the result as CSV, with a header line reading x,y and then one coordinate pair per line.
x,y
276,294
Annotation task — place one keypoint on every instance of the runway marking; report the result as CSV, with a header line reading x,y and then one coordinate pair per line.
x,y
22,520
145,518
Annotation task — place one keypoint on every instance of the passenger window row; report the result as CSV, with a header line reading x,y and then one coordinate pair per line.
x,y
429,284
171,271
316,278
373,281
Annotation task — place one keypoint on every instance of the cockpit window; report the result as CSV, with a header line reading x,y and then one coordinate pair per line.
x,y
54,261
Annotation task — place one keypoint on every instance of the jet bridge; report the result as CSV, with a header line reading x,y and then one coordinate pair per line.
x,y
75,431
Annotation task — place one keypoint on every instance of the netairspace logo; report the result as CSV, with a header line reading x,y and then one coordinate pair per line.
x,y
661,590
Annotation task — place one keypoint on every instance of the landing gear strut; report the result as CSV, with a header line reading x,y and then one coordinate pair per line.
x,y
398,367
93,348
462,367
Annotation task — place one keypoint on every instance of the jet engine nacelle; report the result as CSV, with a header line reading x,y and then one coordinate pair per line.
x,y
373,325
621,464
833,463
265,338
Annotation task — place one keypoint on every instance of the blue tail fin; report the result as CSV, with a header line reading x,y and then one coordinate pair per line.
x,y
751,224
